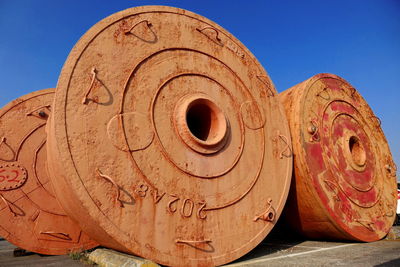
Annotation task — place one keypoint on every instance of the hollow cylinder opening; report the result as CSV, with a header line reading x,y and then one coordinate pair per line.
x,y
203,121
357,151
201,124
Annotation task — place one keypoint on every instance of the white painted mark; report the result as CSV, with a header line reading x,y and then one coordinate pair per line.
x,y
290,246
287,256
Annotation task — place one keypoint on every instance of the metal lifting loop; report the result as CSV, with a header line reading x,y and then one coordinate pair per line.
x,y
59,235
8,205
366,224
377,119
334,188
192,241
41,114
394,170
390,213
326,92
140,36
108,178
269,90
268,215
94,77
353,91
148,24
313,130
217,40
287,148
3,140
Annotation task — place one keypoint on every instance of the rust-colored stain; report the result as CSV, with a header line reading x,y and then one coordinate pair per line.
x,y
168,139
345,179
30,216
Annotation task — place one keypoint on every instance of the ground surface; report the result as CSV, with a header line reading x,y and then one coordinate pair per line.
x,y
276,250
281,250
31,259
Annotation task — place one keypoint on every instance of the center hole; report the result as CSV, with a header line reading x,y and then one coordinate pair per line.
x,y
357,151
201,120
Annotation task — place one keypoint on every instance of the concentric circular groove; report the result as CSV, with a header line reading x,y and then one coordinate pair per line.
x,y
30,215
341,188
179,141
174,155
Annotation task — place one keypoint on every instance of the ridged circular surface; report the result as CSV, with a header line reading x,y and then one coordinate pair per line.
x,y
30,216
171,139
343,159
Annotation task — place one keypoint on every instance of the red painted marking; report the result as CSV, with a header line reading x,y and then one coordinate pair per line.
x,y
2,177
342,164
332,84
338,131
364,198
348,123
315,152
365,179
10,175
15,178
360,179
344,108
346,207
380,225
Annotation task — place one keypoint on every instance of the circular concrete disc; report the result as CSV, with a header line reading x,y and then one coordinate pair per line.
x,y
30,216
345,175
170,137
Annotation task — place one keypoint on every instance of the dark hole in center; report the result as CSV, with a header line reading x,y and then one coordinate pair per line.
x,y
352,143
357,151
199,119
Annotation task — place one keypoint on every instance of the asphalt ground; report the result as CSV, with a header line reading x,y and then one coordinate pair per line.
x,y
284,249
7,258
280,248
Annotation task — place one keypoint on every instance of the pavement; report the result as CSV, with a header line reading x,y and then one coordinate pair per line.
x,y
32,259
280,248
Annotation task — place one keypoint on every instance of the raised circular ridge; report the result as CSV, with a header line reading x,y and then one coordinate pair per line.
x,y
336,195
126,194
30,215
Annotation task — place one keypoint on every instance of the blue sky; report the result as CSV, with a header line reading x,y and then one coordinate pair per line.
x,y
294,40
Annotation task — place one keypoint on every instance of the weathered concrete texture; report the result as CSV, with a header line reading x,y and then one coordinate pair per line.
x,y
110,258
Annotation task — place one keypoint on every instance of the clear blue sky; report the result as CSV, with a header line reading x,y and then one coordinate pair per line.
x,y
294,40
